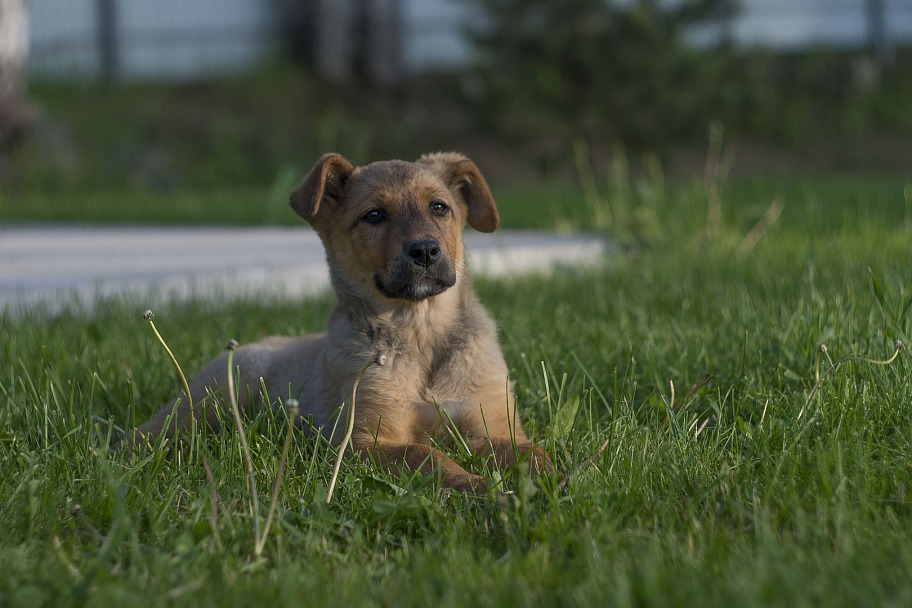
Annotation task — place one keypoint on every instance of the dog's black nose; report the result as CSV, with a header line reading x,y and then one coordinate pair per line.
x,y
424,252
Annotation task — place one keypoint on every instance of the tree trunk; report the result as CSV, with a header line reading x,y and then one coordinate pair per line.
x,y
14,114
384,42
332,50
879,33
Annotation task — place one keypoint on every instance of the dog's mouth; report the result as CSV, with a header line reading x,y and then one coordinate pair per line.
x,y
415,285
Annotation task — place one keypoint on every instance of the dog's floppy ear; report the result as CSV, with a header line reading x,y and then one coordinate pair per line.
x,y
326,180
462,175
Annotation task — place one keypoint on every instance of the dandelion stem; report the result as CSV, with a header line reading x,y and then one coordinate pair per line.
x,y
292,412
897,347
148,317
351,425
213,504
245,449
563,483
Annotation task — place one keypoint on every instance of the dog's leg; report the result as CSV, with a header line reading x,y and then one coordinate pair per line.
x,y
507,451
497,433
209,391
424,458
172,418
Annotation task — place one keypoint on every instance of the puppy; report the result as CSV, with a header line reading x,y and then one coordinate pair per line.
x,y
392,231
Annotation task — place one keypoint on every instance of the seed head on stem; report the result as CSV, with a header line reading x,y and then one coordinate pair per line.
x,y
148,317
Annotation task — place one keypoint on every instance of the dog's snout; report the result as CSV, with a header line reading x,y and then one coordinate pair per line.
x,y
424,252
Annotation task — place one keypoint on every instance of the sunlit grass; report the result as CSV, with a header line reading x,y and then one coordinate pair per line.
x,y
745,492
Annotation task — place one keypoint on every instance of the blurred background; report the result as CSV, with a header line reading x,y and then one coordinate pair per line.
x,y
211,110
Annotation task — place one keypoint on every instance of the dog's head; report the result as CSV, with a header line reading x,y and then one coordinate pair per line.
x,y
394,228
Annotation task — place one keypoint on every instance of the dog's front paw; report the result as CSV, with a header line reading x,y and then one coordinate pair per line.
x,y
539,462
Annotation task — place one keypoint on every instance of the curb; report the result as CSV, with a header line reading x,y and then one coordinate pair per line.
x,y
61,266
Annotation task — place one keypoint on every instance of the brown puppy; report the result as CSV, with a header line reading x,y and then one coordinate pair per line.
x,y
393,237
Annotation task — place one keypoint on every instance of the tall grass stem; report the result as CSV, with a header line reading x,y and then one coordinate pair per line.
x,y
711,181
350,429
245,449
291,406
898,347
148,317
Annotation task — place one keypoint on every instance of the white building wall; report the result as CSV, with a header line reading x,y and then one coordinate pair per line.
x,y
435,34
63,37
188,38
788,25
177,39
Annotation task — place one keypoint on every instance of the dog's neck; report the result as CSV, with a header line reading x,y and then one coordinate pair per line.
x,y
399,328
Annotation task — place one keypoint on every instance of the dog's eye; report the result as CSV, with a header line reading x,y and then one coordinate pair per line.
x,y
374,216
439,208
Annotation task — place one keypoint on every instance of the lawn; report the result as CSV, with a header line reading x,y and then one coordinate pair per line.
x,y
744,463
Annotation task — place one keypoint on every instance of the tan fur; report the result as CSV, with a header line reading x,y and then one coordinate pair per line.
x,y
397,299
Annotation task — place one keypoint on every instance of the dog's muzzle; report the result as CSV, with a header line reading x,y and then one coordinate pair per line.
x,y
424,253
422,271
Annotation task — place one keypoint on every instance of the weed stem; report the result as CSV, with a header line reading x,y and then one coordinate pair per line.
x,y
583,465
897,347
245,449
351,426
148,317
213,504
291,406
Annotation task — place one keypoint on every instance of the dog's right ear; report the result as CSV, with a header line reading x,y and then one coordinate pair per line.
x,y
326,180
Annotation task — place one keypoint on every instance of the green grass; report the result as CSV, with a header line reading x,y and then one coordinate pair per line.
x,y
778,500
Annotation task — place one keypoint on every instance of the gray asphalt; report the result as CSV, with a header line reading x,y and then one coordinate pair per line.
x,y
61,266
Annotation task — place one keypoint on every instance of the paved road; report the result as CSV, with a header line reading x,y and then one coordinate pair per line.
x,y
59,265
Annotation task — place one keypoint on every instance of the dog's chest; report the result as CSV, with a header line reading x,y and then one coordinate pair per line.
x,y
431,380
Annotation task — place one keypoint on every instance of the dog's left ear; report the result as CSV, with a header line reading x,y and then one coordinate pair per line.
x,y
325,181
463,176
